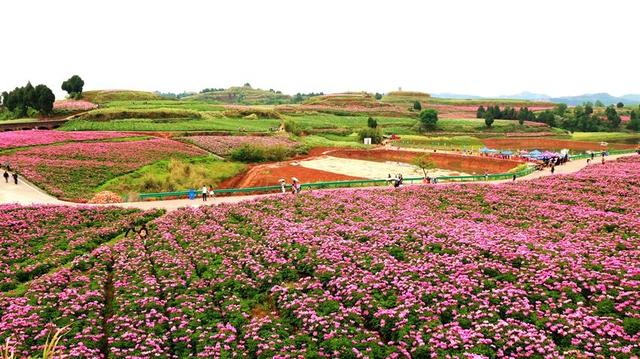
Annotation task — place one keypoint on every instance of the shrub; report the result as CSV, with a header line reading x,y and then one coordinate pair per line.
x,y
378,96
631,325
372,123
374,133
417,105
488,119
428,118
250,153
292,127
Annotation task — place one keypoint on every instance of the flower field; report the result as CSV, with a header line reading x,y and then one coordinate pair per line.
x,y
34,240
73,170
223,145
549,268
11,139
74,105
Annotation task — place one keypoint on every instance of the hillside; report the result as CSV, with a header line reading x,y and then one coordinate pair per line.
x,y
346,99
244,95
102,96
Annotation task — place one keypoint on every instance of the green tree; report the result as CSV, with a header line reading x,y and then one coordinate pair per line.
x,y
599,103
560,109
378,96
612,117
619,105
547,117
588,108
480,112
43,99
424,162
417,105
73,86
488,119
373,133
428,119
372,123
634,121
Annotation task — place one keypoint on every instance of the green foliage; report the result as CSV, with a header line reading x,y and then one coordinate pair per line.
x,y
480,112
560,109
292,127
417,106
631,325
378,96
374,133
396,252
18,101
634,121
612,117
424,162
428,118
372,123
547,117
620,105
488,119
252,154
599,103
173,175
73,86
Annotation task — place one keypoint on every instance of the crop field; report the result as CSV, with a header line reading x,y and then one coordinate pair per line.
x,y
435,271
175,124
13,139
39,239
74,170
223,145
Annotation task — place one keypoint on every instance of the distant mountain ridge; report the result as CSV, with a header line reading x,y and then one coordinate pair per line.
x,y
607,99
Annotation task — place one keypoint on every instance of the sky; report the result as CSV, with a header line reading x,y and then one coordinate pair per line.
x,y
487,48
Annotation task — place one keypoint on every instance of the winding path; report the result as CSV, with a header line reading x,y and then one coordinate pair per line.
x,y
27,194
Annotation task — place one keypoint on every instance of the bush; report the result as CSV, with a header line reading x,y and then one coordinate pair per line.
x,y
631,325
378,96
488,119
428,118
374,133
417,105
292,127
252,154
372,123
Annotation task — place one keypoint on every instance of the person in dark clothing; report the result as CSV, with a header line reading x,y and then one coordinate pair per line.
x,y
553,169
514,177
15,177
6,176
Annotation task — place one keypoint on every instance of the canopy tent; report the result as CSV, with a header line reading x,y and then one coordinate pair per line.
x,y
506,153
523,152
535,154
487,150
548,154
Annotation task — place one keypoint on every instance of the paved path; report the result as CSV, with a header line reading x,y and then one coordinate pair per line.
x,y
24,193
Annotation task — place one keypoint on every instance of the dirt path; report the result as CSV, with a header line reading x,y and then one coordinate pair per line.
x,y
27,194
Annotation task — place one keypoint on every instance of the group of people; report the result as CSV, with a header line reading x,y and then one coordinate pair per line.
x,y
6,175
602,154
296,187
396,181
207,192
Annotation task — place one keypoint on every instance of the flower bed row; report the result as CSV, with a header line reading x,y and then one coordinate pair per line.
x,y
547,268
223,145
33,240
10,139
73,170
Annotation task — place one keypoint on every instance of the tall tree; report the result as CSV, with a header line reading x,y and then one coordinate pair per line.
x,y
73,86
428,118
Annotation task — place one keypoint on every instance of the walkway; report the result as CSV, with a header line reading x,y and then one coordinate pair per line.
x,y
26,194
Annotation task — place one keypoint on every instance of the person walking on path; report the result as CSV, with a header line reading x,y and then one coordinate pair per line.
x,y
6,176
283,185
211,192
205,191
602,159
15,175
553,169
295,185
514,177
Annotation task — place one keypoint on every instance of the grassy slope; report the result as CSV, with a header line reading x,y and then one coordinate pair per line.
x,y
102,96
174,174
243,95
213,124
604,136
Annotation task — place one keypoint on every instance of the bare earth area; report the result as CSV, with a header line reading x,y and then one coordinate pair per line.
x,y
370,169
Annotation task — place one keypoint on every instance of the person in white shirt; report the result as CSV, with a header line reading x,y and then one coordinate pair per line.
x,y
205,192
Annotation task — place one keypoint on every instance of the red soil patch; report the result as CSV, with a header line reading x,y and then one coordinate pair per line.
x,y
269,174
548,144
468,164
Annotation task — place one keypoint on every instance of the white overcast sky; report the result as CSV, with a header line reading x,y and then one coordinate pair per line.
x,y
465,46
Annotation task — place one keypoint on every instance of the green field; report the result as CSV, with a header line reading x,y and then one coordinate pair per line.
x,y
412,141
158,104
173,174
621,137
102,96
174,124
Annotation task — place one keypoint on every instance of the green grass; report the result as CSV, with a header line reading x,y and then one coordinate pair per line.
x,y
175,124
329,140
173,175
443,142
19,120
157,104
605,136
102,96
243,95
322,121
472,125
